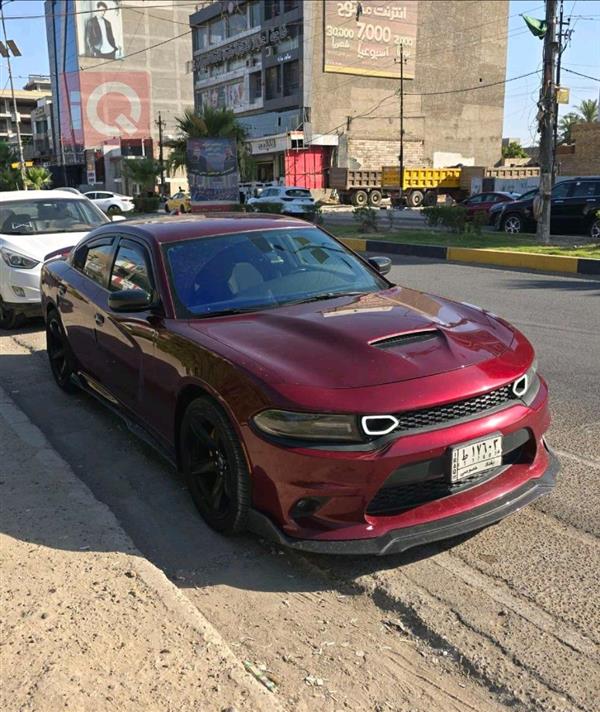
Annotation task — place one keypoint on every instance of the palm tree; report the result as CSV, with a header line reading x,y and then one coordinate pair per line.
x,y
565,127
38,178
211,123
10,178
588,110
142,171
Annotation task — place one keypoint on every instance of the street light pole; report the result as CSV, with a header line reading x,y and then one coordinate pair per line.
x,y
561,48
401,155
14,101
547,112
161,161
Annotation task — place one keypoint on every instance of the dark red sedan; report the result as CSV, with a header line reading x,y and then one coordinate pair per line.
x,y
302,395
482,202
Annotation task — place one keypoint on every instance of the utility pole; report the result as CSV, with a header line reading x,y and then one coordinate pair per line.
x,y
561,48
401,155
160,123
546,115
14,102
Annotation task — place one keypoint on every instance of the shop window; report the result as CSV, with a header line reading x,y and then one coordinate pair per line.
x,y
255,87
272,9
273,81
291,77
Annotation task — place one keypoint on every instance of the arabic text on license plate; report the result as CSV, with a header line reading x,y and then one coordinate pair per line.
x,y
476,457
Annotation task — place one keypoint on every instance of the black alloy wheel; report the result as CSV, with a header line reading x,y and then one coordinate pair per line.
x,y
62,363
214,466
595,230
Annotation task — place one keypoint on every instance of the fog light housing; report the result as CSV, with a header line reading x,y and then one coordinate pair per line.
x,y
19,291
307,506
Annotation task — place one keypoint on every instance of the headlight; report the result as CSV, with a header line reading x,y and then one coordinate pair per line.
x,y
16,260
527,386
308,426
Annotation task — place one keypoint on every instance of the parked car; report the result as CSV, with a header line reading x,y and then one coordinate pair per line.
x,y
286,200
575,208
303,395
179,203
111,203
36,225
482,202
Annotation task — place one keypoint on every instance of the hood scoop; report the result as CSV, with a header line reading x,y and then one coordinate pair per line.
x,y
390,342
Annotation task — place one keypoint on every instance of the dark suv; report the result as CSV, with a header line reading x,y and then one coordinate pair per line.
x,y
575,209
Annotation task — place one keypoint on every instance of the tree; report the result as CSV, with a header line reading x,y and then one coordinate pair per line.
x,y
142,171
588,111
211,123
513,150
38,178
565,127
10,178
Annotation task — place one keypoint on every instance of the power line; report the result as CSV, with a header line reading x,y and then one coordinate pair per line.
x,y
579,74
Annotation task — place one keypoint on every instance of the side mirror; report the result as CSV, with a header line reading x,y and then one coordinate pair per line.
x,y
382,264
117,218
129,300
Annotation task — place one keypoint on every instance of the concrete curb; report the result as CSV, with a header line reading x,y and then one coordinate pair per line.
x,y
76,494
523,260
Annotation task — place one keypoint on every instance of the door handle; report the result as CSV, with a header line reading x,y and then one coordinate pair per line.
x,y
62,290
99,319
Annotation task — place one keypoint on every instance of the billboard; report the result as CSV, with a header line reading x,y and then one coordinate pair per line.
x,y
365,37
100,29
212,170
114,105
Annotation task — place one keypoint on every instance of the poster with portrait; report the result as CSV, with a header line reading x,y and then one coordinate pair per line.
x,y
212,170
100,29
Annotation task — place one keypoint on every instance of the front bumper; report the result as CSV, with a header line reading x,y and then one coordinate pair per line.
x,y
20,289
399,540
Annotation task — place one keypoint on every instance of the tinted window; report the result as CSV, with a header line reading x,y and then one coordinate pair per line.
x,y
263,269
297,193
586,189
97,263
561,190
475,199
130,270
34,217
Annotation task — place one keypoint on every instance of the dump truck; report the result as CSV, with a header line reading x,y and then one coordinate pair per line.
x,y
420,186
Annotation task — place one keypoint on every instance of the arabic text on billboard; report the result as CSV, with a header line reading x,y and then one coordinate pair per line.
x,y
371,43
115,105
100,29
212,170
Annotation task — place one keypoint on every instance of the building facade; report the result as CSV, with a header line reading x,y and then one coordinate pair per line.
x,y
317,84
112,75
36,91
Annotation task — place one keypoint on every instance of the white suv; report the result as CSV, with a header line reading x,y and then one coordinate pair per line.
x,y
36,225
286,200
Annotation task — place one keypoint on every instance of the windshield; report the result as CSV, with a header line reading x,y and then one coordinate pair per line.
x,y
41,215
263,269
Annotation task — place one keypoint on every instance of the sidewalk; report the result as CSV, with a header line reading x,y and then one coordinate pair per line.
x,y
88,624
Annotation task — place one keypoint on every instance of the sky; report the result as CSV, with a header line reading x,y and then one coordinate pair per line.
x,y
524,55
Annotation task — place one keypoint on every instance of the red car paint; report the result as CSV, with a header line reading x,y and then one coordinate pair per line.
x,y
314,357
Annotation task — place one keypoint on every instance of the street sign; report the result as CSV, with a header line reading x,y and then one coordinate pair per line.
x,y
562,95
16,164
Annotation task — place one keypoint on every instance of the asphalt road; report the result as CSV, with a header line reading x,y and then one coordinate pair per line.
x,y
507,617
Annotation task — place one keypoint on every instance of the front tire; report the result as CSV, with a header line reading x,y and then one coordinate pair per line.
x,y
62,361
595,230
512,224
214,467
10,319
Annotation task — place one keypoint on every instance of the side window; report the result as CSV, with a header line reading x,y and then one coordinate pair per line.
x,y
586,189
475,200
97,263
130,270
91,196
561,190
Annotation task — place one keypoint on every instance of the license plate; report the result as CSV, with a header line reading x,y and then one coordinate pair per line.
x,y
472,458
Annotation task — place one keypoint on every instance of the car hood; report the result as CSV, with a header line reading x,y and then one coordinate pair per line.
x,y
40,245
350,342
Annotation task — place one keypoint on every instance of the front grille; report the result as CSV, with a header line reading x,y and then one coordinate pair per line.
x,y
428,417
422,482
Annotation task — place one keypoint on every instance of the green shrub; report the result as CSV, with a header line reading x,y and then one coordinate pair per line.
x,y
146,203
477,222
451,217
366,218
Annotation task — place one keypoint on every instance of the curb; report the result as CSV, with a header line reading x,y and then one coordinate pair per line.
x,y
116,539
525,260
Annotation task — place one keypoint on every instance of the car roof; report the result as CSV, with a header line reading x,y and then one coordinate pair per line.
x,y
189,228
11,195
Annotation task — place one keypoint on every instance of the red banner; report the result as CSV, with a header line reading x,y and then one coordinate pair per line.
x,y
114,105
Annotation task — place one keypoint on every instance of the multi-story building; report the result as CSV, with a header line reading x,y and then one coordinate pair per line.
x,y
36,90
317,83
115,66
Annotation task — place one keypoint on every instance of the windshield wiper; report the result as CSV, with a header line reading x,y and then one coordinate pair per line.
x,y
322,296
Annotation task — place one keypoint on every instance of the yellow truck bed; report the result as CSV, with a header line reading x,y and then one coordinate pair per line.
x,y
420,178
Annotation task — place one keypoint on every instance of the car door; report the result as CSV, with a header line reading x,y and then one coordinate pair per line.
x,y
126,341
472,204
103,200
559,206
79,296
583,198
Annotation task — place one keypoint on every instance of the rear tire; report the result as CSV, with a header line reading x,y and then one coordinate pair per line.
x,y
214,466
375,198
62,361
114,210
360,198
595,230
415,198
